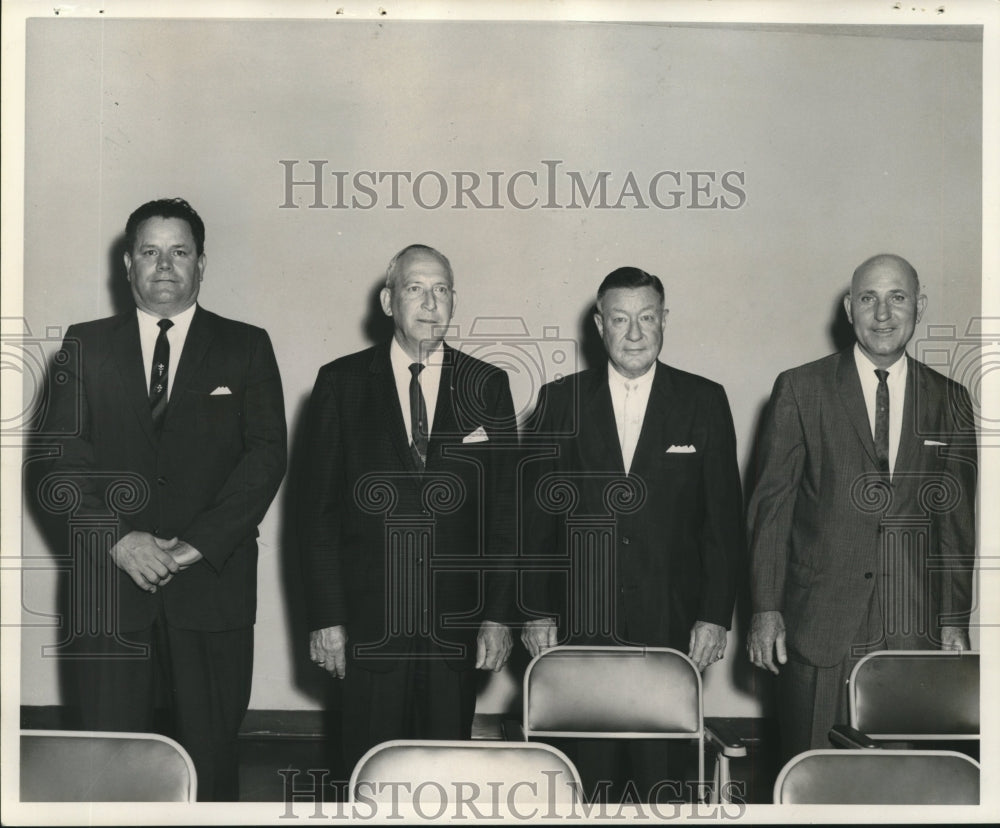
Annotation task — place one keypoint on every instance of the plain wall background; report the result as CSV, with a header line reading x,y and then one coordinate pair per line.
x,y
850,145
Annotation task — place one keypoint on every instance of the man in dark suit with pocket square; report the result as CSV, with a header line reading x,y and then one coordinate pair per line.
x,y
407,520
178,414
862,518
638,511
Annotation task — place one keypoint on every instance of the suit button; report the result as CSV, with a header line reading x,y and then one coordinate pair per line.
x,y
161,481
868,576
626,541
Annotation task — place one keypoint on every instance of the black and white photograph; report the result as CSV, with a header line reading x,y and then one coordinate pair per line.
x,y
500,412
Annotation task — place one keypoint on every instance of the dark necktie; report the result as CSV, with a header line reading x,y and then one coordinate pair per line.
x,y
160,374
882,421
418,417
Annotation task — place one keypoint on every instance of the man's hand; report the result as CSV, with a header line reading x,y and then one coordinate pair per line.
x,y
492,646
707,644
539,635
183,553
328,649
954,638
767,637
140,556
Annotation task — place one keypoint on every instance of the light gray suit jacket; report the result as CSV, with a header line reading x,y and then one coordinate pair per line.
x,y
826,529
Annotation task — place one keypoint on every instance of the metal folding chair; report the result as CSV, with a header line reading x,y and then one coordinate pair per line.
x,y
464,779
625,693
878,777
92,766
912,695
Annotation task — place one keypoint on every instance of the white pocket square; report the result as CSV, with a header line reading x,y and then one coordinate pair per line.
x,y
222,389
934,443
477,436
681,450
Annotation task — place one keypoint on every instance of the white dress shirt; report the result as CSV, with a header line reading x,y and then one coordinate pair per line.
x,y
629,398
896,381
429,379
149,330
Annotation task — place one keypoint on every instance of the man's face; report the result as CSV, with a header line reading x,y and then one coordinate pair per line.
x,y
631,322
884,308
164,268
420,303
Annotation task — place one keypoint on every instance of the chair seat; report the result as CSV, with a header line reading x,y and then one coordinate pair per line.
x,y
86,766
878,777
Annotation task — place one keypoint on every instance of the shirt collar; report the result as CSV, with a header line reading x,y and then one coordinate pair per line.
x,y
616,378
401,360
867,368
182,320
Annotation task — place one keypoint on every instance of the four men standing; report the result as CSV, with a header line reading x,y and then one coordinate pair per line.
x,y
410,514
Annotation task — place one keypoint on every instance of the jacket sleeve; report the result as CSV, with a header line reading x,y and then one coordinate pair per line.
x,y
73,474
722,534
958,525
320,511
501,503
781,453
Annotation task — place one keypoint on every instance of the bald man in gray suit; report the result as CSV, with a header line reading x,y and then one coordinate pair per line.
x,y
862,519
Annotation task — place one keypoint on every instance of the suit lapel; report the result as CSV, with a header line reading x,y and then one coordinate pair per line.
x,y
599,428
916,389
661,411
444,407
199,337
387,410
852,399
127,354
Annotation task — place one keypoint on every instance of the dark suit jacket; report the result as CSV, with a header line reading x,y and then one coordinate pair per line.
x,y
825,529
394,554
208,478
675,520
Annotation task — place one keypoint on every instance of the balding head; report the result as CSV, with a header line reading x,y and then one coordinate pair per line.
x,y
884,306
412,251
889,261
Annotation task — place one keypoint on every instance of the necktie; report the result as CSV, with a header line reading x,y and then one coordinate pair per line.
x,y
418,417
882,421
630,430
160,374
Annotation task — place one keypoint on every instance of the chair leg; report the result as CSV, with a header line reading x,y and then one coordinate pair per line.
x,y
722,780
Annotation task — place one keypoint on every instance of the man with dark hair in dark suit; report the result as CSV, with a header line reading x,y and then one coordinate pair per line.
x,y
649,452
409,494
867,468
185,410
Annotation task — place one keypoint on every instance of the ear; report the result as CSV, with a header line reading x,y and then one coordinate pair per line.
x,y
663,320
202,261
847,308
128,265
599,321
385,298
921,305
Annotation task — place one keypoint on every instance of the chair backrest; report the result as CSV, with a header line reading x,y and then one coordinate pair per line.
x,y
916,694
878,777
478,774
613,692
90,766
